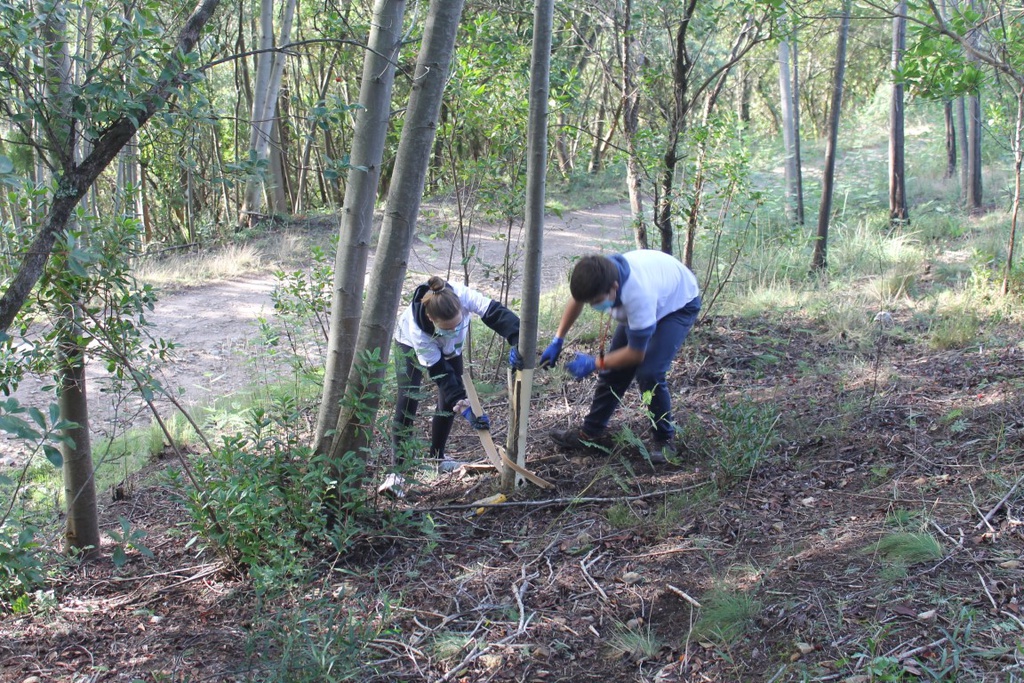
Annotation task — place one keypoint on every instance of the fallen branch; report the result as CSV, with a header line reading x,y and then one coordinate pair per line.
x,y
561,501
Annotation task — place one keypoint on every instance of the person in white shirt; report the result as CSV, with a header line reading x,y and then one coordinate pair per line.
x,y
655,300
430,335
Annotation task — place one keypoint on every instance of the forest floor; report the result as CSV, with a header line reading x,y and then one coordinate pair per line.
x,y
789,542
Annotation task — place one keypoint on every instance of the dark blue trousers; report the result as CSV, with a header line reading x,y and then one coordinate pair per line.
x,y
669,334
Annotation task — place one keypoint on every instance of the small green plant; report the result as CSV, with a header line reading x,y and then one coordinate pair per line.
x,y
127,539
622,516
901,518
746,436
906,548
725,616
954,331
448,646
637,642
313,641
21,570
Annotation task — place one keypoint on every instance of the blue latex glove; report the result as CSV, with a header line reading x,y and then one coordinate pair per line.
x,y
581,366
481,422
551,353
515,361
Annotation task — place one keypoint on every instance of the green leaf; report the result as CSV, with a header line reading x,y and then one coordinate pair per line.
x,y
18,427
37,416
53,455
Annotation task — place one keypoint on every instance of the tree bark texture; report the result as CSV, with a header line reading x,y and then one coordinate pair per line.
x,y
950,123
536,173
898,213
387,276
786,107
819,260
356,228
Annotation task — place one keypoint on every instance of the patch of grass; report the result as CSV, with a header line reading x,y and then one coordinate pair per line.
x,y
622,516
193,269
449,646
725,616
954,330
906,548
637,642
745,435
584,190
312,641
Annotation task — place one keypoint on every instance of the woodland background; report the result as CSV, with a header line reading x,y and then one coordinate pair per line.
x,y
847,503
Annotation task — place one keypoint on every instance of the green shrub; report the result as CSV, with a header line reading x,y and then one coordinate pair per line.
x,y
21,570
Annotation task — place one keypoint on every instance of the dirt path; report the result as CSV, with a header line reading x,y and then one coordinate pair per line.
x,y
214,326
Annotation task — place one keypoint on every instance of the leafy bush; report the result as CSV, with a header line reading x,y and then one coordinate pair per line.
x,y
21,570
266,489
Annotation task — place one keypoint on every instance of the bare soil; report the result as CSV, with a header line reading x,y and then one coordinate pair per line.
x,y
859,441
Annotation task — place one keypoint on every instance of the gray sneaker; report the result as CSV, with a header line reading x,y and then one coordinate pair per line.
x,y
446,465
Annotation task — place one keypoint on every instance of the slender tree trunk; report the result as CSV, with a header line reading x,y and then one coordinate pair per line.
x,y
356,229
631,128
798,168
536,172
311,128
973,159
960,108
786,107
387,277
1018,161
950,122
82,531
973,163
269,72
820,258
898,213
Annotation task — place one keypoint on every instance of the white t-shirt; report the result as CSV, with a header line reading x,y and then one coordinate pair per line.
x,y
657,284
431,348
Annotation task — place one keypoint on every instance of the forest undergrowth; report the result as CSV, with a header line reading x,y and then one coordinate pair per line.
x,y
846,507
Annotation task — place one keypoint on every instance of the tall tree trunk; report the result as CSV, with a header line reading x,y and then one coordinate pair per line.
x,y
1018,161
820,258
597,147
950,123
960,108
786,108
387,277
269,72
356,228
536,172
898,213
631,127
798,167
82,530
973,159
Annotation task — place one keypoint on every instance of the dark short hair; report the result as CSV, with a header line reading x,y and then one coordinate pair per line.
x,y
592,276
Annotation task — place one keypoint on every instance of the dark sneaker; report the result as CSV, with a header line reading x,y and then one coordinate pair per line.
x,y
575,439
661,452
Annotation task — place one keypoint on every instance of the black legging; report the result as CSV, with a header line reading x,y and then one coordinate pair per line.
x,y
409,374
